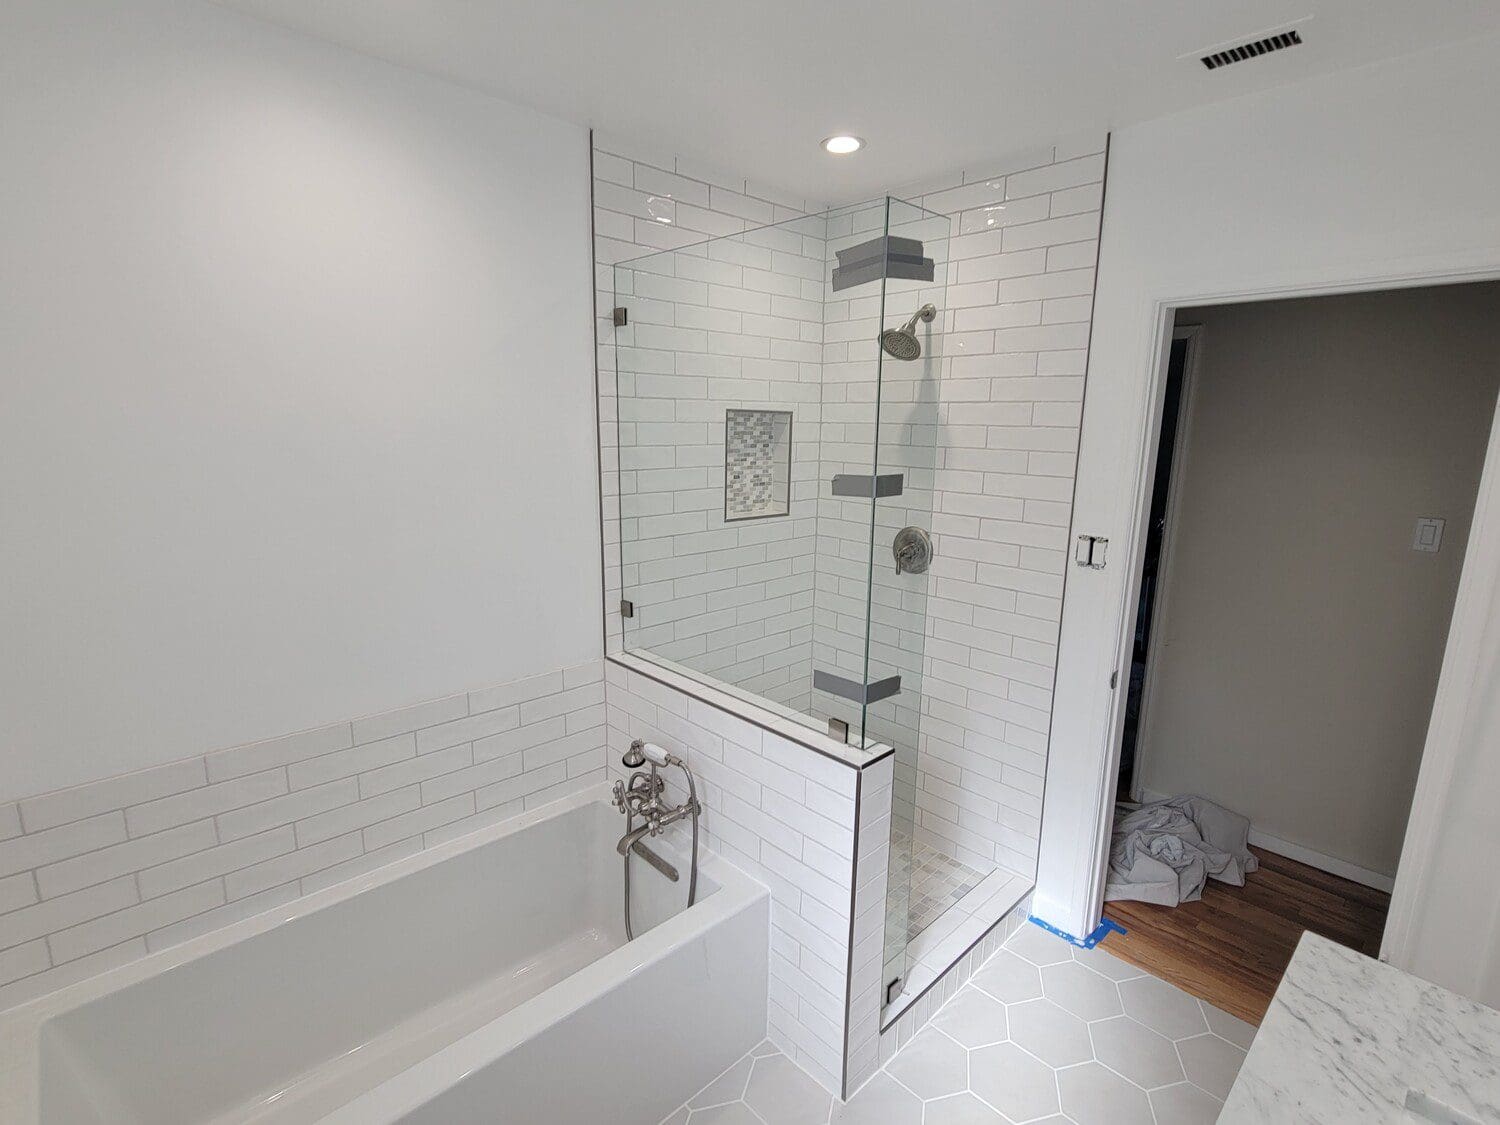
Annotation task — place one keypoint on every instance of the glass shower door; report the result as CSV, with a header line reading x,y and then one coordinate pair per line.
x,y
910,372
883,328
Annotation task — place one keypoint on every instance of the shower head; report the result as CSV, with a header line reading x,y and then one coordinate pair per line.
x,y
902,343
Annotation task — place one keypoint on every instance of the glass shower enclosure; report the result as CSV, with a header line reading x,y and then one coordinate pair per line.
x,y
777,427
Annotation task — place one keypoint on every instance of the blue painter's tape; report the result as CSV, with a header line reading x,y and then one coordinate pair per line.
x,y
1102,931
1105,928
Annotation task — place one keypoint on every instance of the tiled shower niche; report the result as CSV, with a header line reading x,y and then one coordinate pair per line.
x,y
757,464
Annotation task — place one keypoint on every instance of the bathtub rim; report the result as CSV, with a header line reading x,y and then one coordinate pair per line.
x,y
20,1026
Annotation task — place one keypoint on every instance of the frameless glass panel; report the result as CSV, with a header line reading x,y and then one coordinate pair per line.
x,y
718,371
911,349
853,292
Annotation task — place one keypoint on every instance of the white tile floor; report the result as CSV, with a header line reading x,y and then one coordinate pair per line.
x,y
1043,1033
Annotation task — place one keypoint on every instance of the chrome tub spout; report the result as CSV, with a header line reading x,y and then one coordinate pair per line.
x,y
628,840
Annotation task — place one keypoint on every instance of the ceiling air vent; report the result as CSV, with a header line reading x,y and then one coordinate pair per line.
x,y
1259,47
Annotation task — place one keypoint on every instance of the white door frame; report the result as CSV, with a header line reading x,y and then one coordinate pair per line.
x,y
1461,653
1193,334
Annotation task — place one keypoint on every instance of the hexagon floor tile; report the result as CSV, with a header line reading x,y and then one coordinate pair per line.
x,y
974,1019
931,1065
1135,1051
1092,1094
1044,1033
1019,1085
1009,978
1058,1038
780,1090
1081,991
1163,1007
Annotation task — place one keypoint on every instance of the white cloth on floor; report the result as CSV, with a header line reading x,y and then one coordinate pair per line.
x,y
1165,852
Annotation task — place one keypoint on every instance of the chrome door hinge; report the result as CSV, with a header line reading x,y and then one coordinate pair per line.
x,y
627,608
621,316
1090,551
1114,679
892,991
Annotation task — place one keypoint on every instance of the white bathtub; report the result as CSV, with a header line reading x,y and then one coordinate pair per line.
x,y
485,980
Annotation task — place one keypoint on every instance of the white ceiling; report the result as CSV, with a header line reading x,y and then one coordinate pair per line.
x,y
752,86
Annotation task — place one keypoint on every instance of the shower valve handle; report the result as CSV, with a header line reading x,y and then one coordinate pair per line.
x,y
912,549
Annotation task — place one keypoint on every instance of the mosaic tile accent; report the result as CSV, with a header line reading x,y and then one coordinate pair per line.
x,y
936,881
757,463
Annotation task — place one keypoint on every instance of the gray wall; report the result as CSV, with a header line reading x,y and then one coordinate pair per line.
x,y
1300,636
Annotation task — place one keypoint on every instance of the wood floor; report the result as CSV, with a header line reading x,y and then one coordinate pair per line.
x,y
1231,947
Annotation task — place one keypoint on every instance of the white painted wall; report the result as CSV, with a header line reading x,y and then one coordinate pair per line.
x,y
297,390
1387,171
1299,636
1448,926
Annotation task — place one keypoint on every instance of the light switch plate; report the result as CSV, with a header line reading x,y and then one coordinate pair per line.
x,y
1429,535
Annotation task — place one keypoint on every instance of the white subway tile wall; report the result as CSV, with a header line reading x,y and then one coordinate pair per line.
x,y
867,962
1015,342
97,875
786,815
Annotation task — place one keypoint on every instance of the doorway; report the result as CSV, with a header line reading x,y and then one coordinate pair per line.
x,y
1315,479
1172,417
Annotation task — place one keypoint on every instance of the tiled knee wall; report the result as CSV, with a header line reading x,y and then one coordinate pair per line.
x,y
786,815
98,875
789,816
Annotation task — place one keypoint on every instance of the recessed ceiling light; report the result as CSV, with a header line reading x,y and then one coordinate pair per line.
x,y
843,144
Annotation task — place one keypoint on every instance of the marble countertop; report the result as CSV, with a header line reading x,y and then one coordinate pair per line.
x,y
1348,1038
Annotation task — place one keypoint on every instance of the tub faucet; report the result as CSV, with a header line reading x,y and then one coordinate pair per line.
x,y
658,816
630,839
642,796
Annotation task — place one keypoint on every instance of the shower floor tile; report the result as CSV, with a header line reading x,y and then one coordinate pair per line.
x,y
937,881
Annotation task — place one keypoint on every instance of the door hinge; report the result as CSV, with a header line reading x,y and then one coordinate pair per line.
x,y
627,608
621,316
1114,678
1090,551
892,991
